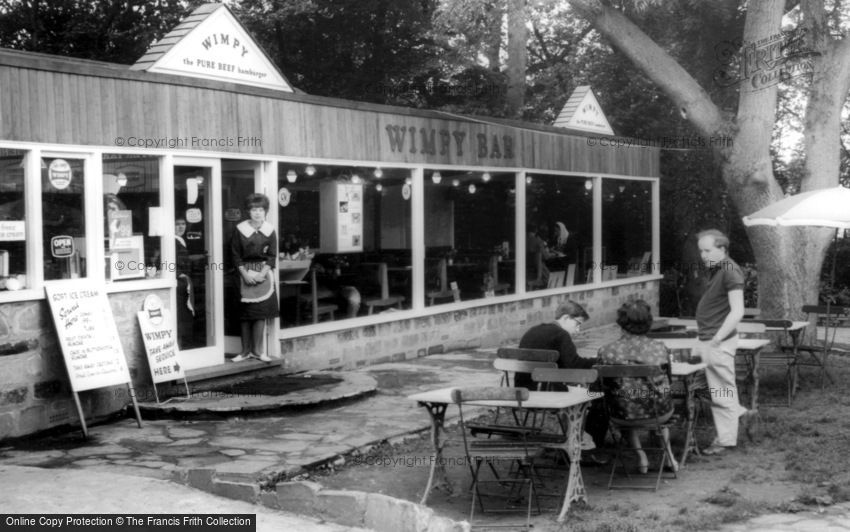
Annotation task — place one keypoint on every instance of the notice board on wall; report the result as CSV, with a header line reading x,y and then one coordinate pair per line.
x,y
87,334
341,217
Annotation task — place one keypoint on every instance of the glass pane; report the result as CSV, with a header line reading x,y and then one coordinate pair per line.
x,y
63,217
559,221
194,272
13,219
469,235
344,242
626,227
133,223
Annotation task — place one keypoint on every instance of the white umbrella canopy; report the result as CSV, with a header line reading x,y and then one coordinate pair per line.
x,y
826,207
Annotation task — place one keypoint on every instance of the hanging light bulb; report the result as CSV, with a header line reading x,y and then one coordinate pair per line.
x,y
407,181
472,188
355,179
121,179
485,176
622,188
379,187
291,176
310,170
378,173
436,178
455,182
588,184
528,180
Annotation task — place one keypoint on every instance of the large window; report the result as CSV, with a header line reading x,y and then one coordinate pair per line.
x,y
13,221
559,224
63,217
345,241
626,228
469,235
133,222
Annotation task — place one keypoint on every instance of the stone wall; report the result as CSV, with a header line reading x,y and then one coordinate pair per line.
x,y
487,326
35,393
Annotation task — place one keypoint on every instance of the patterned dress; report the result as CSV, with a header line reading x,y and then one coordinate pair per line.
x,y
631,398
252,249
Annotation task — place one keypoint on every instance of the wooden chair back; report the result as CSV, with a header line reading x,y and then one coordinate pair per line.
x,y
751,329
570,278
556,279
628,370
521,366
671,334
489,393
564,376
533,355
773,324
821,310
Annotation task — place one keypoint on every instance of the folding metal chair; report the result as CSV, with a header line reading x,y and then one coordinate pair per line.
x,y
508,367
818,351
498,452
657,424
784,356
559,380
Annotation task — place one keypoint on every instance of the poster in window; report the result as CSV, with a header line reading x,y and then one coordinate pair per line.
x,y
126,258
341,223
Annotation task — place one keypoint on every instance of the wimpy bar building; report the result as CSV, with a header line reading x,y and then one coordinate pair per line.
x,y
425,231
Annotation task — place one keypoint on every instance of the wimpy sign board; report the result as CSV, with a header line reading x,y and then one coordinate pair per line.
x,y
90,343
160,343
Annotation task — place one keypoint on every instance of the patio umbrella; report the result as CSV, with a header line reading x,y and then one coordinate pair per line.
x,y
827,207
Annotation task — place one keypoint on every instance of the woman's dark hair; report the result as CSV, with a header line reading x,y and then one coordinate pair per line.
x,y
635,317
256,200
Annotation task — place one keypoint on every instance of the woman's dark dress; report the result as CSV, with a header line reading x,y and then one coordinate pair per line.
x,y
253,248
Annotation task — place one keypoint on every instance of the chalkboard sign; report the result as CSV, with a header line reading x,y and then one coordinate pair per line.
x,y
89,339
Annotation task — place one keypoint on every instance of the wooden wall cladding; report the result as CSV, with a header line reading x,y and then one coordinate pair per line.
x,y
97,105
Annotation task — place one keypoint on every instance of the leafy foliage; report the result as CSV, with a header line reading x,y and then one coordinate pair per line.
x,y
109,30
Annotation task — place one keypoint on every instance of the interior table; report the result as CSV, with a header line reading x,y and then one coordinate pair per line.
x,y
570,407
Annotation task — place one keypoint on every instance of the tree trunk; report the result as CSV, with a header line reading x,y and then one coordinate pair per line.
x,y
493,45
789,259
517,57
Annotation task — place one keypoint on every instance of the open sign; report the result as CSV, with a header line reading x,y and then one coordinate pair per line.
x,y
62,246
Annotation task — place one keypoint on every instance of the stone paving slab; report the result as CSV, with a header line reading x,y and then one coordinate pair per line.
x,y
261,449
353,385
94,492
831,519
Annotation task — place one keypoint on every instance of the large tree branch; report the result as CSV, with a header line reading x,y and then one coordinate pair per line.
x,y
830,85
661,68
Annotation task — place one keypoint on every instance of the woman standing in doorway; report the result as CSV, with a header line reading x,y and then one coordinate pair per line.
x,y
254,250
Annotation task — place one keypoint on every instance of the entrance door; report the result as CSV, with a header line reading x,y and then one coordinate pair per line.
x,y
198,264
238,180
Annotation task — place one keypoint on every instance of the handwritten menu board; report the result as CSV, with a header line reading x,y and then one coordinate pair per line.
x,y
90,343
341,217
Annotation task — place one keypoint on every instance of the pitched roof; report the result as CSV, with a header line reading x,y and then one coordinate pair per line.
x,y
211,43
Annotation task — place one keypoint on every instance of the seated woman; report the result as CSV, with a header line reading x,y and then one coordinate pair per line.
x,y
635,399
